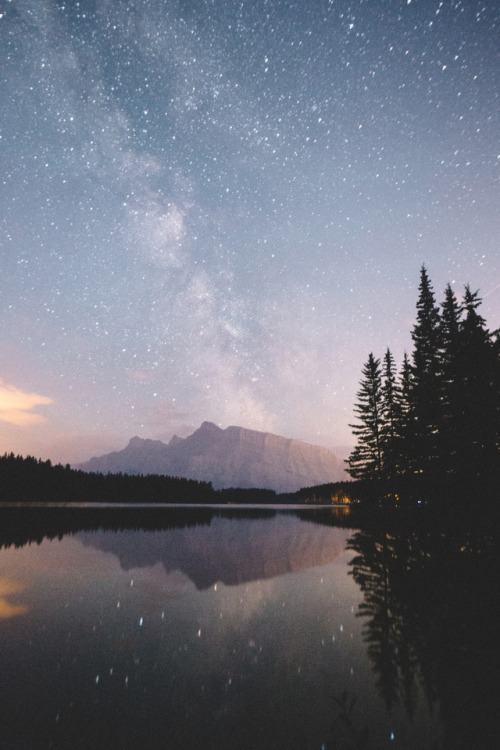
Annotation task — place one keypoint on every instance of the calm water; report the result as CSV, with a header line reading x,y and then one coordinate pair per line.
x,y
207,629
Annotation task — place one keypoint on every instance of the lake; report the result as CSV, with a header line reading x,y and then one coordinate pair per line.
x,y
270,629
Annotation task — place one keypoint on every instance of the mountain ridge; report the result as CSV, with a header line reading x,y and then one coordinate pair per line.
x,y
230,457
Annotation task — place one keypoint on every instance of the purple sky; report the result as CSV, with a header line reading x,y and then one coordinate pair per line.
x,y
215,210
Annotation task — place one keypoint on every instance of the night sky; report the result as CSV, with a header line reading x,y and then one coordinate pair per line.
x,y
214,210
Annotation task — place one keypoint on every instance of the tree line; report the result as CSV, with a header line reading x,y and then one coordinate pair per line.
x,y
437,420
29,479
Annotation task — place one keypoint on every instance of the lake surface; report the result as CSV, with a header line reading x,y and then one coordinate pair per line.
x,y
194,628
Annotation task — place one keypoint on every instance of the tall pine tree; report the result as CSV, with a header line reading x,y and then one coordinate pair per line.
x,y
450,383
441,418
391,417
404,453
478,417
365,461
425,391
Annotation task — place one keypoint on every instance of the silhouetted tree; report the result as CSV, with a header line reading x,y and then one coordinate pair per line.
x,y
31,479
478,418
450,382
406,457
425,391
365,462
440,421
390,417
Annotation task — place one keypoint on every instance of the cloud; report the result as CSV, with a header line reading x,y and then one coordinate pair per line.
x,y
16,406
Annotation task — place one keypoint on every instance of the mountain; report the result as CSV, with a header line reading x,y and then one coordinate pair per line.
x,y
234,457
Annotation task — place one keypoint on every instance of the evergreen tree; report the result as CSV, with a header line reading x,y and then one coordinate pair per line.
x,y
450,322
365,462
391,417
478,417
450,383
441,418
405,424
425,391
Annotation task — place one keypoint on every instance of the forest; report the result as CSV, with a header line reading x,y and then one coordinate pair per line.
x,y
435,424
28,479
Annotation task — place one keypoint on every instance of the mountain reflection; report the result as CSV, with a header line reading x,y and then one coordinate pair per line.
x,y
430,598
226,551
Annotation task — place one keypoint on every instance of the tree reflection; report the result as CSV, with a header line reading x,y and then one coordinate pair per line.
x,y
346,734
430,598
27,525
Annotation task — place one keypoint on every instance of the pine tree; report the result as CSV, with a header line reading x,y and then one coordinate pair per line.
x,y
478,417
441,418
450,322
391,417
425,392
365,462
450,383
405,425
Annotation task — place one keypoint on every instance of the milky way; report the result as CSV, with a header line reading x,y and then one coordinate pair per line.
x,y
216,209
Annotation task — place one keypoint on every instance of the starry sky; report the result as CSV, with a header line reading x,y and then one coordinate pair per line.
x,y
215,209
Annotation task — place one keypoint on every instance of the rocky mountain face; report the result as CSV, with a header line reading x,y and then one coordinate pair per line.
x,y
234,457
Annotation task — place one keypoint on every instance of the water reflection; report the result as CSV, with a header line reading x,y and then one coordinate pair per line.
x,y
225,551
8,588
430,598
213,629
